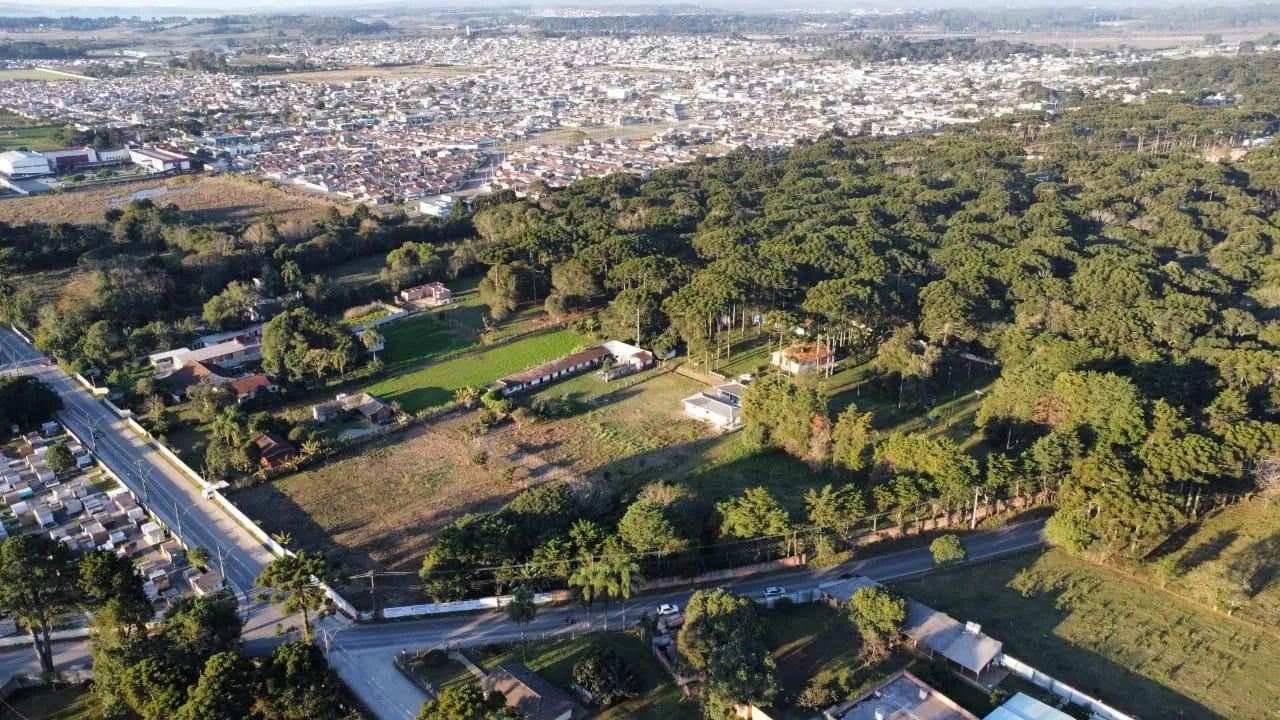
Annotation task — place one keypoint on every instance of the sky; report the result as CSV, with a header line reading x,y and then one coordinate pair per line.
x,y
162,7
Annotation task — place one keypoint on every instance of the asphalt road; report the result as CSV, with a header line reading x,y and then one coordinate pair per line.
x,y
363,654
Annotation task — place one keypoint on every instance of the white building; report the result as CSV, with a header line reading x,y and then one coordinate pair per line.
x,y
440,206
156,160
721,406
18,164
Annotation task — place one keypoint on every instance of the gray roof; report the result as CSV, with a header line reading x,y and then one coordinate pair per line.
x,y
946,636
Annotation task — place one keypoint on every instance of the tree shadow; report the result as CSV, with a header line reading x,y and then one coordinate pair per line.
x,y
1258,564
1207,551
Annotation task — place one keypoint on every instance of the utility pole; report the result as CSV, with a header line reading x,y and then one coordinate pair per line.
x,y
973,522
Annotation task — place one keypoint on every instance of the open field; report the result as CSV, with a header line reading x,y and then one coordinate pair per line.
x,y
216,199
31,74
433,386
1145,651
74,702
353,74
659,698
1240,544
380,508
643,131
31,138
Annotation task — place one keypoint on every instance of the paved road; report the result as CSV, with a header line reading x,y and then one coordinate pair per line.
x,y
363,654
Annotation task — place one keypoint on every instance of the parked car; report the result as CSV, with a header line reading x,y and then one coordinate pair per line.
x,y
774,591
668,609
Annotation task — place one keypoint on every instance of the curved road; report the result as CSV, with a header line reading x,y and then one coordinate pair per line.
x,y
363,654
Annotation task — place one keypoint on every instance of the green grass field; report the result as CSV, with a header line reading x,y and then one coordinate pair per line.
x,y
1144,650
74,702
433,386
417,340
1239,544
659,698
32,138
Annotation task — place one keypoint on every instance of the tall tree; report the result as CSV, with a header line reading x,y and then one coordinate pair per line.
x,y
37,587
295,581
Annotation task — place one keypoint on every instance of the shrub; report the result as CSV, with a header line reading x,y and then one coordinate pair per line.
x,y
1070,530
479,457
947,549
817,696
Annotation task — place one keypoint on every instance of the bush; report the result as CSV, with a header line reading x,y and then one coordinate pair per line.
x,y
947,549
479,457
1069,529
59,459
607,676
817,696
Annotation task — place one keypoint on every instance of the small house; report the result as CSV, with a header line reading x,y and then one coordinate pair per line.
x,y
273,450
250,387
368,406
531,695
721,406
807,357
432,293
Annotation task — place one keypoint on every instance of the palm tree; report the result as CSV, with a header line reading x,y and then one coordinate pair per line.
x,y
592,584
371,339
624,578
522,610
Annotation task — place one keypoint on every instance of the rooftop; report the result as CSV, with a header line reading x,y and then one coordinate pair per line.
x,y
904,697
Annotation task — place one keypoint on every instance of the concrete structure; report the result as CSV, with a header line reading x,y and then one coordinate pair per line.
x,y
432,293
20,164
440,206
157,160
721,406
362,403
902,696
1025,707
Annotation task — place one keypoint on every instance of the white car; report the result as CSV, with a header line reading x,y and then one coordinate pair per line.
x,y
774,591
669,609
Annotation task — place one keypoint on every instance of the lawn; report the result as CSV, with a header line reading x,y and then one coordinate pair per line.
x,y
31,138
1144,650
68,702
434,385
659,698
417,340
31,74
469,317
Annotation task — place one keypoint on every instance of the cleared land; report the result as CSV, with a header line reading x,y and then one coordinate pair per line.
x,y
434,385
216,199
1144,650
659,698
31,138
353,74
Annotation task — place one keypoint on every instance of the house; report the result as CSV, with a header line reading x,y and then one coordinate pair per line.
x,y
274,450
901,695
721,406
180,382
964,645
554,370
440,206
627,359
432,293
230,348
368,406
249,387
806,357
531,695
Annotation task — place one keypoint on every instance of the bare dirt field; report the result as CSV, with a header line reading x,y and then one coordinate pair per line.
x,y
222,198
352,74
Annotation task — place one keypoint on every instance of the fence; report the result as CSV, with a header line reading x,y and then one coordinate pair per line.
x,y
25,640
1061,689
486,603
66,677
